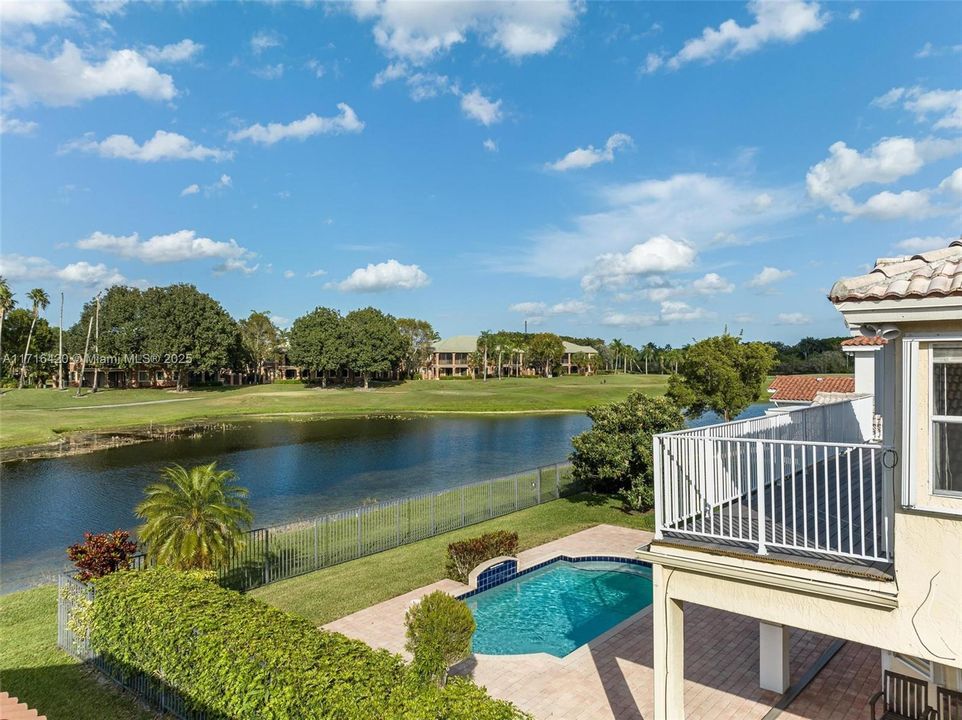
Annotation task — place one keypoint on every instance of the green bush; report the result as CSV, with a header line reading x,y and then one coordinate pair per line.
x,y
439,630
465,555
236,657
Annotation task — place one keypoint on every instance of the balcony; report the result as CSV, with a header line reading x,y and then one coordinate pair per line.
x,y
805,487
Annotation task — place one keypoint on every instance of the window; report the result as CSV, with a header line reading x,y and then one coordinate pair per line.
x,y
947,418
143,376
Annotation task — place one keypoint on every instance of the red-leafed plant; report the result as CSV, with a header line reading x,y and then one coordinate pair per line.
x,y
102,554
465,555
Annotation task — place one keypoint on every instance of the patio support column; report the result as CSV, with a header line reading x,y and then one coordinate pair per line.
x,y
773,646
668,617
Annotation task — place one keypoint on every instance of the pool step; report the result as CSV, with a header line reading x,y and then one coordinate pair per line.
x,y
13,709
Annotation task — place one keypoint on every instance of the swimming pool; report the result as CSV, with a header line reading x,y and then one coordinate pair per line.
x,y
559,607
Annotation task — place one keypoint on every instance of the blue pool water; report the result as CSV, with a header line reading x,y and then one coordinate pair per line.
x,y
558,608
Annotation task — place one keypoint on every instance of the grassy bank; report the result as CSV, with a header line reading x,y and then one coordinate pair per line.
x,y
35,670
38,416
337,591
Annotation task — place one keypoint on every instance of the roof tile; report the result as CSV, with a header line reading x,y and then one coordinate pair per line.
x,y
935,273
804,388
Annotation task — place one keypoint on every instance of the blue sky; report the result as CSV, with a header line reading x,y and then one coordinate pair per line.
x,y
643,171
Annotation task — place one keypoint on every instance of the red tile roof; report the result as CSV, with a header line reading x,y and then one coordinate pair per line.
x,y
804,388
862,341
936,273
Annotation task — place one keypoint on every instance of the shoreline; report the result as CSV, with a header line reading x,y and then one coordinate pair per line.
x,y
84,442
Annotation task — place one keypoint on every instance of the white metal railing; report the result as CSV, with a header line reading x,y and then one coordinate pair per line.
x,y
772,483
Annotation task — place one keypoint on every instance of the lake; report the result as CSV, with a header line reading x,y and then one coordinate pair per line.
x,y
293,469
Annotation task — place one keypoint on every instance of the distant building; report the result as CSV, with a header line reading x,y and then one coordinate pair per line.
x,y
798,390
457,357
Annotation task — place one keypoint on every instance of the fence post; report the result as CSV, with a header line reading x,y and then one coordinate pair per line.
x,y
659,484
433,526
359,532
760,494
462,506
557,481
490,499
267,556
397,515
539,486
516,505
316,549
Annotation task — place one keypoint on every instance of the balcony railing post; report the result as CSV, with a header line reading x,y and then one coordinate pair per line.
x,y
760,494
659,487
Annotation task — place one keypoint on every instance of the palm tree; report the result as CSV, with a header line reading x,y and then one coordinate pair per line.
x,y
6,305
40,300
195,519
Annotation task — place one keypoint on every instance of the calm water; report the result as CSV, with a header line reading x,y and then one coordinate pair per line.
x,y
293,470
558,608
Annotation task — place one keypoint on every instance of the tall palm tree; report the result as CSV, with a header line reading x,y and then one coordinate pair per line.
x,y
6,305
40,300
195,518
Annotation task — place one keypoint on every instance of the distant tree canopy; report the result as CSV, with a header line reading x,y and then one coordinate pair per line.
x,y
318,342
419,339
16,330
812,355
721,374
374,342
260,340
545,351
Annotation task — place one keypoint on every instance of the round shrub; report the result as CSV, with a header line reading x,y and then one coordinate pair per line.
x,y
439,630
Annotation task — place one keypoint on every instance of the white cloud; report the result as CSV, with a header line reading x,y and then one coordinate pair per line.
x,y
762,202
174,53
656,255
673,311
390,275
162,146
265,40
540,309
528,308
316,273
795,318
890,159
420,32
921,244
288,274
67,78
345,122
173,247
712,284
696,207
744,318
269,72
653,62
944,105
929,50
586,157
490,145
775,21
769,276
191,189
953,183
20,267
215,188
15,126
31,12
236,265
628,320
108,7
316,67
855,15
477,107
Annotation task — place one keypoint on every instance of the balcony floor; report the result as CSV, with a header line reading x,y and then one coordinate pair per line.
x,y
787,516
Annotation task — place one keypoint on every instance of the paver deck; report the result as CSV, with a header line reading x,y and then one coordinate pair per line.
x,y
611,677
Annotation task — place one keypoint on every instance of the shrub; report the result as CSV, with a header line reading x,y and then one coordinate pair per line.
x,y
640,496
465,555
439,630
233,656
102,554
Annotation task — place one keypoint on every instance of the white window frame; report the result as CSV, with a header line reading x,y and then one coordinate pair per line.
x,y
932,419
910,439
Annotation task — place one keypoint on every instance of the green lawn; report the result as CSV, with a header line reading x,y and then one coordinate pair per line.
x,y
33,669
337,591
33,416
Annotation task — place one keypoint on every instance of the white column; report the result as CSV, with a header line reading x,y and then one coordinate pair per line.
x,y
668,616
773,646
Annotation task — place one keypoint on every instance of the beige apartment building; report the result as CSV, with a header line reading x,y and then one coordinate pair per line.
x,y
456,357
842,518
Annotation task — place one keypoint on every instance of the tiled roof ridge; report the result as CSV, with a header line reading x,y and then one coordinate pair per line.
x,y
932,273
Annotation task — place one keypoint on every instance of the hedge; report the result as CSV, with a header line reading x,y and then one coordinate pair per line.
x,y
235,657
465,555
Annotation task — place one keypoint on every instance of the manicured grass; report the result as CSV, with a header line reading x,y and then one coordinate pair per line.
x,y
36,416
337,591
34,670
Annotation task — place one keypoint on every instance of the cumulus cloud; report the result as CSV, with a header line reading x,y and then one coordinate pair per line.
x,y
390,275
477,107
628,320
942,106
25,12
162,146
239,265
490,145
215,188
658,254
586,157
346,121
768,276
541,309
21,267
68,78
795,318
420,32
265,40
179,52
921,244
191,189
831,180
269,72
15,126
953,183
173,247
316,273
929,50
673,311
712,284
775,21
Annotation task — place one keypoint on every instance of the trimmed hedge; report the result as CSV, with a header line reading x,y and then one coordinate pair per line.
x,y
235,657
465,555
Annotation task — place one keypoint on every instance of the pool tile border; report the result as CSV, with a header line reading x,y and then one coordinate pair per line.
x,y
486,582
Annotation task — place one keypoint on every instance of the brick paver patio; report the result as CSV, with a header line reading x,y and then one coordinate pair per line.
x,y
611,677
